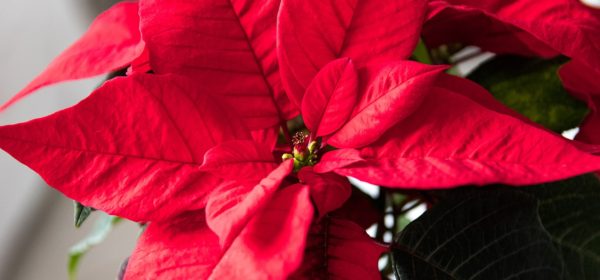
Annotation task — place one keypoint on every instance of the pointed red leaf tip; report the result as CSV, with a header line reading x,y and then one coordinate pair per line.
x,y
312,33
329,191
227,45
330,97
390,93
473,91
269,247
234,202
583,83
528,27
111,42
453,140
339,249
133,148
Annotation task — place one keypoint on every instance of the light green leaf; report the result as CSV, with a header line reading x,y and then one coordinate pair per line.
x,y
100,231
532,87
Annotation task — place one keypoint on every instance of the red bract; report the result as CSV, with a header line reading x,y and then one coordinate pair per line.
x,y
583,83
133,148
270,247
339,249
233,202
227,46
329,191
544,28
421,123
532,28
329,97
137,148
310,34
398,105
189,148
388,94
111,42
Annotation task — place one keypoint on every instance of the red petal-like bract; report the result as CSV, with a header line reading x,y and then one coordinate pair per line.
x,y
447,24
522,27
132,149
239,160
180,248
140,64
329,191
330,97
453,140
360,209
233,203
227,45
388,94
111,42
311,33
267,136
479,95
584,83
269,247
339,249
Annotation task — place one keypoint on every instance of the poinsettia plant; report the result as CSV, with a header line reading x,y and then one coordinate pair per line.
x,y
240,135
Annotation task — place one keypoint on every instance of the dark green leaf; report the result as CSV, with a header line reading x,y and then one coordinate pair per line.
x,y
479,234
101,229
82,212
531,87
421,54
570,212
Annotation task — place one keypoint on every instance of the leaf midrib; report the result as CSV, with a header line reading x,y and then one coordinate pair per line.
x,y
101,153
423,259
256,60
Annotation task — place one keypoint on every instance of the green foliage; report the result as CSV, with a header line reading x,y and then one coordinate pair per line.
x,y
570,212
481,235
82,212
549,231
102,228
532,87
421,53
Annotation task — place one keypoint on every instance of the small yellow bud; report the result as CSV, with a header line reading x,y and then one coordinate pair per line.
x,y
312,147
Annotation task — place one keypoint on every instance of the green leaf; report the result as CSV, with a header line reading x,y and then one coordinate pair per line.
x,y
474,227
532,87
82,212
101,229
478,234
421,54
570,212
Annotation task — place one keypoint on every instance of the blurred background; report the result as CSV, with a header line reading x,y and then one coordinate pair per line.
x,y
36,222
